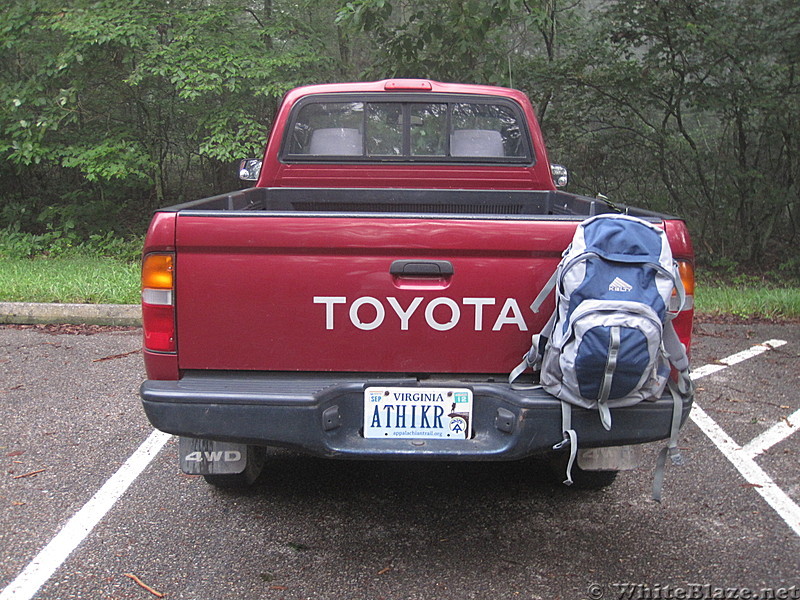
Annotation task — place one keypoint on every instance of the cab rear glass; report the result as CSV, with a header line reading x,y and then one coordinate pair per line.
x,y
426,129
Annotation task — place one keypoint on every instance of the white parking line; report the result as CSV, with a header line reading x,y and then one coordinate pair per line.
x,y
52,556
774,435
742,457
734,359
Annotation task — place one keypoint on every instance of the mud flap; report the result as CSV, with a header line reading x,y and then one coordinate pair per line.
x,y
207,457
611,458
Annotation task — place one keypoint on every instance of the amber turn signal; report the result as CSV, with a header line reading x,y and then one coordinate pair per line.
x,y
686,271
157,271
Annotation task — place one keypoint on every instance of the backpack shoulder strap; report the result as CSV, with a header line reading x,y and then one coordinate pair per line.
x,y
533,357
675,350
548,287
564,266
677,282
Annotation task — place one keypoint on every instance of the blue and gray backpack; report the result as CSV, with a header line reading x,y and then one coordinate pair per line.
x,y
610,341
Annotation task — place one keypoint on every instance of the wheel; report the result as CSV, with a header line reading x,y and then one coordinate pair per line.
x,y
582,480
256,457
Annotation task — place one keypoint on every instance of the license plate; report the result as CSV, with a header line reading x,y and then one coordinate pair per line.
x,y
416,413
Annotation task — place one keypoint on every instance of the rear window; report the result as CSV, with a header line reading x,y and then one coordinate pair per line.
x,y
457,130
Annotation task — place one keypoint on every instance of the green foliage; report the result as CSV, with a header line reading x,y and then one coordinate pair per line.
x,y
108,110
145,94
108,160
790,268
15,244
449,40
692,108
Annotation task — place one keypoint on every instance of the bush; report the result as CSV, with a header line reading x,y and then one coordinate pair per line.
x,y
16,244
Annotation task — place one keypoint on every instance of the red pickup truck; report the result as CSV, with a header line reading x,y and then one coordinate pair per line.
x,y
374,285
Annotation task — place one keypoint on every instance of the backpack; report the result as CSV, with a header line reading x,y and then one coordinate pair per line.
x,y
610,341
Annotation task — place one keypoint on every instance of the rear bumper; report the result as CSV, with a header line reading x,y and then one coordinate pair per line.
x,y
322,414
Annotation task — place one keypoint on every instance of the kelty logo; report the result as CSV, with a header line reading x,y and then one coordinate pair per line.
x,y
619,285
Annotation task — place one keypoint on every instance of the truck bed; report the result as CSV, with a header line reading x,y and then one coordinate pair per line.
x,y
499,204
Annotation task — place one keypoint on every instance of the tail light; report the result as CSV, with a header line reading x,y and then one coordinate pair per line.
x,y
158,301
686,272
684,321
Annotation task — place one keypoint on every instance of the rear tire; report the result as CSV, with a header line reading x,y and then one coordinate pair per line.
x,y
256,458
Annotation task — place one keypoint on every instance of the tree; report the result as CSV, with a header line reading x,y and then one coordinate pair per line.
x,y
694,105
101,101
449,40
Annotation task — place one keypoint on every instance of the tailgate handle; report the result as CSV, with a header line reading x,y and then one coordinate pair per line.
x,y
422,268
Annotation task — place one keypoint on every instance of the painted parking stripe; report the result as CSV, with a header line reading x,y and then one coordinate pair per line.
x,y
744,355
774,435
742,457
52,556
735,359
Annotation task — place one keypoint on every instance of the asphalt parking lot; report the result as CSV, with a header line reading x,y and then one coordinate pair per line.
x,y
87,511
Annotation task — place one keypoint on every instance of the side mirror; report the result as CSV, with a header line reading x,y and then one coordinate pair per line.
x,y
249,169
560,175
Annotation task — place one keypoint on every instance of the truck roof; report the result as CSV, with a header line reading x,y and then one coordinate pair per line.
x,y
406,85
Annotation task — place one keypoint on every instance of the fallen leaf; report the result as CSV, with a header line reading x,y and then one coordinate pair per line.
x,y
298,547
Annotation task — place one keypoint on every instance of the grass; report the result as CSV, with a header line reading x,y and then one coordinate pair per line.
x,y
749,302
69,280
114,281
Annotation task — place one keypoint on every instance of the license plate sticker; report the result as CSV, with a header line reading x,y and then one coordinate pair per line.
x,y
421,413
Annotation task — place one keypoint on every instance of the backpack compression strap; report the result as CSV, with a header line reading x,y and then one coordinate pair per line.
x,y
608,378
570,439
683,388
